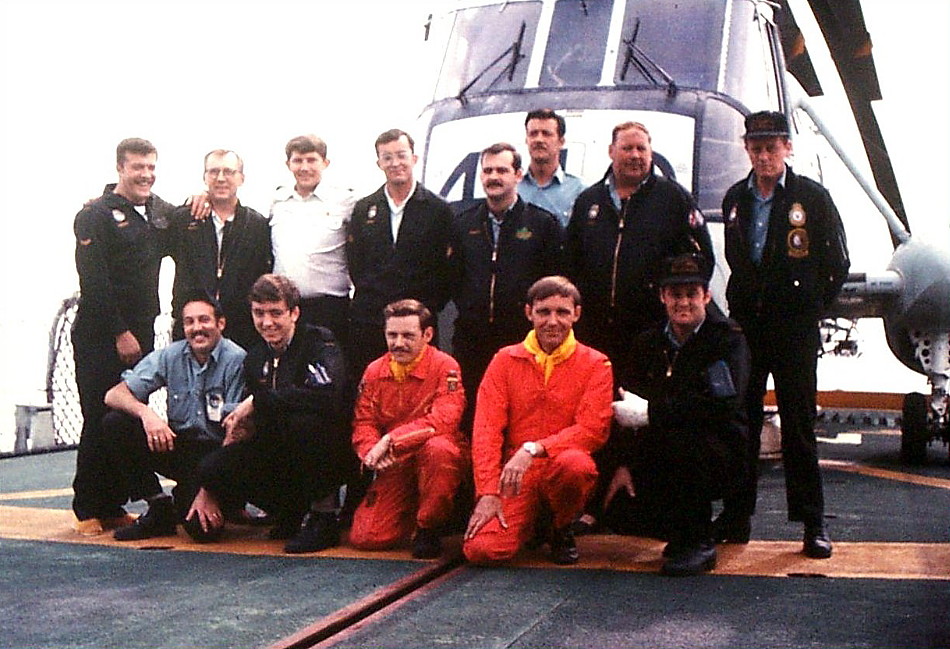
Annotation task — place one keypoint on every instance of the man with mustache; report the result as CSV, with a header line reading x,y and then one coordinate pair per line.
x,y
204,378
543,408
546,184
499,248
406,431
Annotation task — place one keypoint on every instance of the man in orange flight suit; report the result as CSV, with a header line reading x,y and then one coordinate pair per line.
x,y
543,408
406,429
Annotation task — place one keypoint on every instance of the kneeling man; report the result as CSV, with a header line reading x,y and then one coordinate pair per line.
x,y
543,407
406,429
693,372
205,380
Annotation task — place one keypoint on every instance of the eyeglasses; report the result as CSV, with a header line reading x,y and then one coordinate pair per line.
x,y
401,156
228,173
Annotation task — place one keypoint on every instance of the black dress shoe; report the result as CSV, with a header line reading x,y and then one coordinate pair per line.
x,y
563,547
732,529
817,543
426,544
159,520
694,559
320,530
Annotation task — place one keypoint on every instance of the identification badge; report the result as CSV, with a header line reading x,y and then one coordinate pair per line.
x,y
593,211
371,214
214,406
118,216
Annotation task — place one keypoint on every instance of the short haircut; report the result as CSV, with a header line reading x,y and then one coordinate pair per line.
x,y
501,147
306,144
198,295
134,145
275,288
553,285
547,113
402,308
626,126
392,135
222,153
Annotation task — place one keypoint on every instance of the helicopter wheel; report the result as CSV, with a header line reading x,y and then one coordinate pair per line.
x,y
914,431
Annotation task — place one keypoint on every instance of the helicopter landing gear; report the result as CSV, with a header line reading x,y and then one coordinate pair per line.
x,y
915,431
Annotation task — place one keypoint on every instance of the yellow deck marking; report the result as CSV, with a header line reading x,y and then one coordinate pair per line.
x,y
886,474
42,493
625,553
54,493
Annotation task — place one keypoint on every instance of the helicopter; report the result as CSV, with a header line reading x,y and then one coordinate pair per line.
x,y
692,70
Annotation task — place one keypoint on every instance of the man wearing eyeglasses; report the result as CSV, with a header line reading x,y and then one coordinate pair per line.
x,y
286,446
397,247
224,255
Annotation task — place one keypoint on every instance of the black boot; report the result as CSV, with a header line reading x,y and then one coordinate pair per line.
x,y
159,520
692,559
563,547
320,530
817,543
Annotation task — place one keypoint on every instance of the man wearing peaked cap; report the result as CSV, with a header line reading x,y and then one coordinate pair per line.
x,y
692,370
788,257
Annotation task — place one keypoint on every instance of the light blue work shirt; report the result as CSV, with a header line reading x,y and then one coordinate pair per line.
x,y
761,208
199,396
557,197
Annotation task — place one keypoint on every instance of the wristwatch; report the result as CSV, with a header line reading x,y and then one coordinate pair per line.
x,y
533,448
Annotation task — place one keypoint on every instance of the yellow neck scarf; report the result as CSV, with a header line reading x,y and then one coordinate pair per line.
x,y
548,361
402,371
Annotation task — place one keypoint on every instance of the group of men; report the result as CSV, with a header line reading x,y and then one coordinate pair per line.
x,y
318,390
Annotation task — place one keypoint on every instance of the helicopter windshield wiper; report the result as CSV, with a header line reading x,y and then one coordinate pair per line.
x,y
645,65
514,50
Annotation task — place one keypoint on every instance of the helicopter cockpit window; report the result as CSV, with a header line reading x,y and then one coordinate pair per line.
x,y
569,59
683,39
489,49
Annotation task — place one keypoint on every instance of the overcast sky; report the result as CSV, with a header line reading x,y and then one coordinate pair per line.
x,y
193,75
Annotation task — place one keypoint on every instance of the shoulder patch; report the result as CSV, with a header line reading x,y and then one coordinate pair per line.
x,y
452,381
